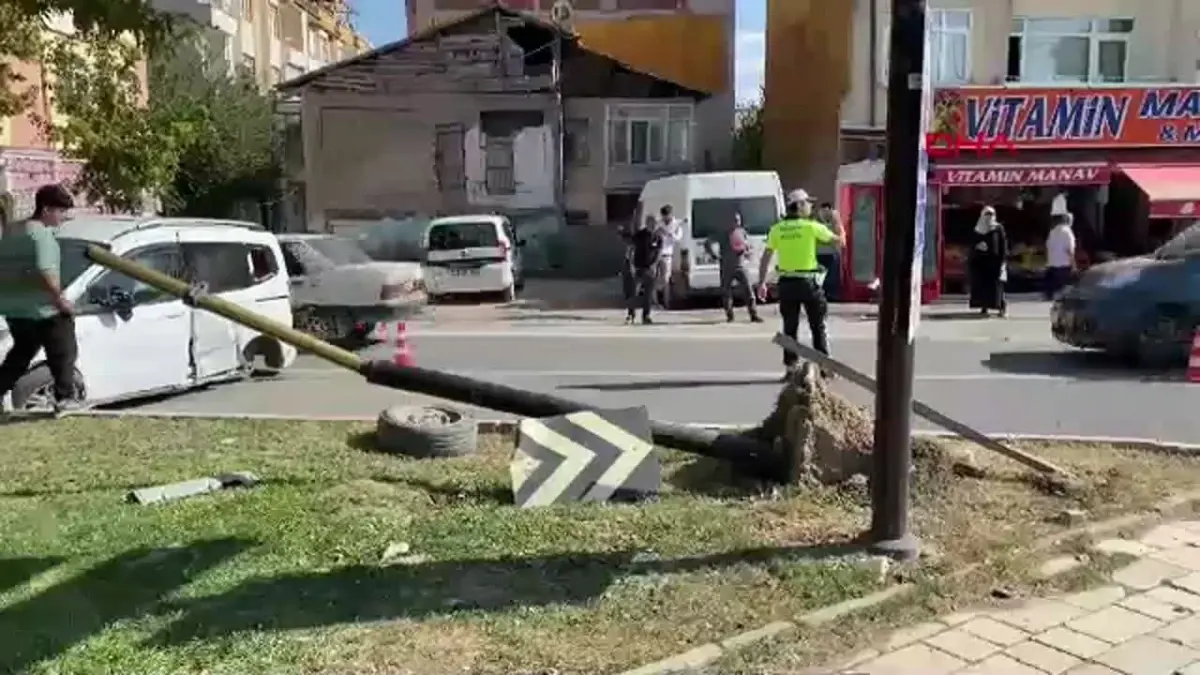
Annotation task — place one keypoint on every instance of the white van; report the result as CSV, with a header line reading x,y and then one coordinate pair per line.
x,y
706,204
136,341
472,255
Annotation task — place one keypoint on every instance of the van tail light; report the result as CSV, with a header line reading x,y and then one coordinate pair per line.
x,y
505,246
685,262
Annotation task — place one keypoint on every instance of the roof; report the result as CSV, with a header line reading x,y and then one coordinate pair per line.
x,y
106,228
468,218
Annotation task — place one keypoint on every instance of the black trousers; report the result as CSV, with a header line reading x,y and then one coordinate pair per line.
x,y
801,294
1056,279
56,336
644,285
736,276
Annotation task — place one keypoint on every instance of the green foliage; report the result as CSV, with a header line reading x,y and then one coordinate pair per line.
x,y
101,118
748,137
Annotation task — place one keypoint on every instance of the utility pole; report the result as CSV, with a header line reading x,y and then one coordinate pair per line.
x,y
909,103
560,15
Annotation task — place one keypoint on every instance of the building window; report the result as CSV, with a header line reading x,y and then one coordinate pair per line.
x,y
276,25
1044,51
248,66
649,134
449,157
576,149
949,47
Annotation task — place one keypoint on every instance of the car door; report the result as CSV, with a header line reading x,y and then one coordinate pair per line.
x,y
138,348
224,268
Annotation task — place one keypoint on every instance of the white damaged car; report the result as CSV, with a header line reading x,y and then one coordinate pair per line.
x,y
340,292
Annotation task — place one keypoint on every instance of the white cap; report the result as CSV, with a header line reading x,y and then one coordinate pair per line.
x,y
798,196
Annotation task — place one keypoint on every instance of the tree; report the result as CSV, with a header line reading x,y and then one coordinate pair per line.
x,y
130,152
748,136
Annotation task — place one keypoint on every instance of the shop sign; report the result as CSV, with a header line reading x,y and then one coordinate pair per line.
x,y
1055,174
1175,209
1063,117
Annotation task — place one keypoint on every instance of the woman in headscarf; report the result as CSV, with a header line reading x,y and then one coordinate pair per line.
x,y
986,264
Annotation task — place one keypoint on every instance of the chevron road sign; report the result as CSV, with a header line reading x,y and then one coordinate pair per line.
x,y
591,456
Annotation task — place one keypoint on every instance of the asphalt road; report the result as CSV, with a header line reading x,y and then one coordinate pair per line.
x,y
1001,377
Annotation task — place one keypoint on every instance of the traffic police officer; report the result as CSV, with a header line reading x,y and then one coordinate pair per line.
x,y
793,241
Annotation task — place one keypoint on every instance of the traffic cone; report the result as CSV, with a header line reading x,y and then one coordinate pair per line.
x,y
403,355
1193,371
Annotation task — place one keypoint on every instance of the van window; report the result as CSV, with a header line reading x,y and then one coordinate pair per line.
x,y
73,259
263,263
467,234
223,267
165,258
711,217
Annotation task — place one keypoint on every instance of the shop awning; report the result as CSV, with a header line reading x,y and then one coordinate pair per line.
x,y
1174,190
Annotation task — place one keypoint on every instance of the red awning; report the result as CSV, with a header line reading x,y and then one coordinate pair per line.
x,y
1174,190
1018,174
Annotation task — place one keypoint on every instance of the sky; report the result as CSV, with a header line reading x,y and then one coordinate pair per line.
x,y
383,21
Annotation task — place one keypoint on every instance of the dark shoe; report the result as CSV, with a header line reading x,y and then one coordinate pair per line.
x,y
629,318
646,321
754,318
729,317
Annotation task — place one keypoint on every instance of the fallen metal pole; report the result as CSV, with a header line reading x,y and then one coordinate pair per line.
x,y
921,409
749,454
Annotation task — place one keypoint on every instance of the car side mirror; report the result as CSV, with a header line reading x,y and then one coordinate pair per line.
x,y
119,299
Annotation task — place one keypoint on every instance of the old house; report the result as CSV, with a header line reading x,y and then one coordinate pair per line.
x,y
495,111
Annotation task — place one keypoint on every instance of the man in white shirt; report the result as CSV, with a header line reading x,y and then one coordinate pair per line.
x,y
1060,254
671,231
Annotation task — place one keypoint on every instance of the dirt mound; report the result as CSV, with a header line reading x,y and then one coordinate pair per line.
x,y
828,440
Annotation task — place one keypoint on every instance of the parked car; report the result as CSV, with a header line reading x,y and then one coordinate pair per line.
x,y
136,341
473,255
339,292
1144,309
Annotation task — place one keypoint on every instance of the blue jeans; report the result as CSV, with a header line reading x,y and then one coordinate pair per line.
x,y
833,279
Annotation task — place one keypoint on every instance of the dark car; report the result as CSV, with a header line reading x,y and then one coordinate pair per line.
x,y
1143,309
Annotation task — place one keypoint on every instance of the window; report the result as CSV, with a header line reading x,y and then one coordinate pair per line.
x,y
249,66
1069,50
949,46
499,165
222,267
649,134
164,258
466,234
276,25
73,259
263,263
339,250
449,157
576,150
712,217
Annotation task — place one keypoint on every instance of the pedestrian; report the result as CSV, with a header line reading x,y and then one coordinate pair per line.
x,y
732,248
986,265
670,233
828,256
645,251
1060,254
39,317
794,241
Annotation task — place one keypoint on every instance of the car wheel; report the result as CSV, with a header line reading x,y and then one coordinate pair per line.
x,y
1165,342
315,323
34,392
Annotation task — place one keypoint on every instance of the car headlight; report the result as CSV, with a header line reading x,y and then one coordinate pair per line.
x,y
1120,279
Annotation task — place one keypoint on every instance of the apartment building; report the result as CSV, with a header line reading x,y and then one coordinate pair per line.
x,y
1088,106
689,42
274,39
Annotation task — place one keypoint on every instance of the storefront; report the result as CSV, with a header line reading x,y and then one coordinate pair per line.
x,y
1124,162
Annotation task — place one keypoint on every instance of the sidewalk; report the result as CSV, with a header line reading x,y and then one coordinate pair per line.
x,y
1145,622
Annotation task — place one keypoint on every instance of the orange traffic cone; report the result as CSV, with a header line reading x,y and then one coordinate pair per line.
x,y
1193,371
403,355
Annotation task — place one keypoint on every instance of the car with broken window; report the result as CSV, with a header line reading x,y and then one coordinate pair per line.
x,y
339,292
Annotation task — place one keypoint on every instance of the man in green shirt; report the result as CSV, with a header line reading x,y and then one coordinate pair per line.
x,y
793,242
31,298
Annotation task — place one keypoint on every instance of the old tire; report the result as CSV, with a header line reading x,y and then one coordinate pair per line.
x,y
426,432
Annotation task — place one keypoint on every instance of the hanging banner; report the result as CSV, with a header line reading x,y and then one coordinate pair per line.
x,y
922,214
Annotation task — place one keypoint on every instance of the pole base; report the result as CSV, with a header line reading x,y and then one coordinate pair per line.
x,y
904,549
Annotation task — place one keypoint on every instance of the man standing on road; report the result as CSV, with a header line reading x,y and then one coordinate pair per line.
x,y
732,248
828,256
1060,254
31,298
794,241
645,252
670,232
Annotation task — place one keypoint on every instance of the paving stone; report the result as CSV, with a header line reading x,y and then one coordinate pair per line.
x,y
916,659
1142,603
1072,642
1091,669
1097,598
1147,573
1122,546
1148,656
1114,624
1174,596
1193,669
1001,665
1060,565
1045,659
1187,557
994,631
907,636
1170,535
957,618
1184,632
1189,583
1039,615
961,644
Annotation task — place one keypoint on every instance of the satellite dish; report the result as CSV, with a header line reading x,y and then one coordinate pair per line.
x,y
561,11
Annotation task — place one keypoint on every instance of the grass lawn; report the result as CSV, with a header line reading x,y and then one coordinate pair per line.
x,y
290,577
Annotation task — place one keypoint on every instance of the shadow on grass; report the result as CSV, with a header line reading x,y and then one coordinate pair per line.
x,y
125,587
16,571
368,593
